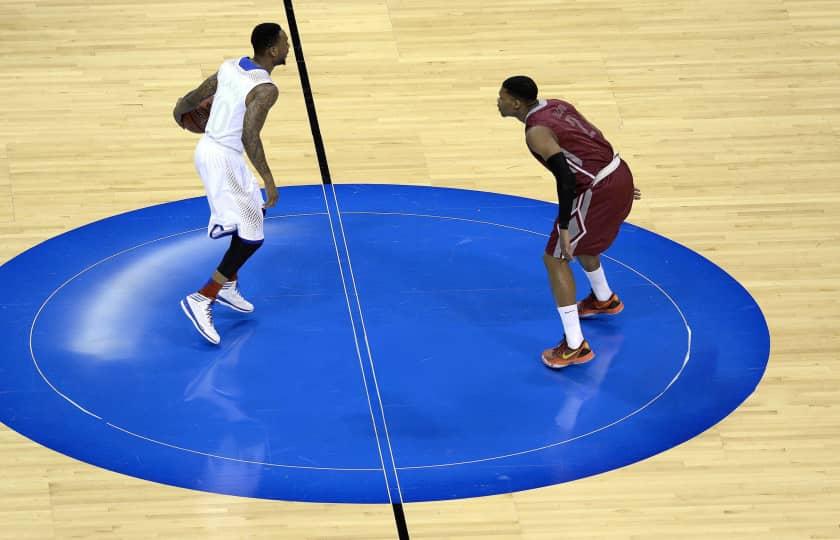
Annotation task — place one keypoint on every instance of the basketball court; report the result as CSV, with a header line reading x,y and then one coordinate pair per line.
x,y
389,382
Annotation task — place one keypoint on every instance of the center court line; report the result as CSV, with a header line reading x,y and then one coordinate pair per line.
x,y
367,343
356,340
399,514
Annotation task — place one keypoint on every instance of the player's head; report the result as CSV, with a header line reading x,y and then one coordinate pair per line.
x,y
270,41
517,95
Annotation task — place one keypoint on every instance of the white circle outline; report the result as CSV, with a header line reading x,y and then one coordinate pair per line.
x,y
432,466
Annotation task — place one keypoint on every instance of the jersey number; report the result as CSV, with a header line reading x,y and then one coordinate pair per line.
x,y
560,112
578,124
219,117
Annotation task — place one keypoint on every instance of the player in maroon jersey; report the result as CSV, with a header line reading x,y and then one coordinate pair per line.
x,y
595,193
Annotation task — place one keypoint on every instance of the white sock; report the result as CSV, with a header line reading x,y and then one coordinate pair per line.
x,y
571,325
599,284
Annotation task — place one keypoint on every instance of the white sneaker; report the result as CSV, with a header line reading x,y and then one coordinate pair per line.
x,y
199,309
230,296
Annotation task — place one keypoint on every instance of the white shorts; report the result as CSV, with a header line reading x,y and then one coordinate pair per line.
x,y
236,203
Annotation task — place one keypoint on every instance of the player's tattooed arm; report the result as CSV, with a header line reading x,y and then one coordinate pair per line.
x,y
192,99
257,105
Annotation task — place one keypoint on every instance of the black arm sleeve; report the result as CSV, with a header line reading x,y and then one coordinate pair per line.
x,y
565,187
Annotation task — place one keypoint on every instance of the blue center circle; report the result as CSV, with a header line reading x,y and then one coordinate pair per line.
x,y
397,330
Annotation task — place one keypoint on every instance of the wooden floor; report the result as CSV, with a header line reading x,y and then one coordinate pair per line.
x,y
727,110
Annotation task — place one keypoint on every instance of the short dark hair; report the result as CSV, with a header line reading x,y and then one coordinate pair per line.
x,y
521,87
265,36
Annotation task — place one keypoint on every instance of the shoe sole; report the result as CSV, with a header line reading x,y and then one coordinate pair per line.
x,y
188,312
613,311
575,363
227,304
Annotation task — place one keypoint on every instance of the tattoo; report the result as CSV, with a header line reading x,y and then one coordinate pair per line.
x,y
257,105
192,99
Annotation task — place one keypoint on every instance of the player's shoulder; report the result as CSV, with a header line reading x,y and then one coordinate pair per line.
x,y
228,64
226,69
263,95
266,90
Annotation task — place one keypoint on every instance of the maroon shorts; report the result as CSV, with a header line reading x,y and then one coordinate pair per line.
x,y
597,214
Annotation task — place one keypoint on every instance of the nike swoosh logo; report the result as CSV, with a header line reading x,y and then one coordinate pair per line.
x,y
567,356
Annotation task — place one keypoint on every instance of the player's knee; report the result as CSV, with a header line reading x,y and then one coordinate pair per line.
x,y
590,263
551,262
251,246
245,244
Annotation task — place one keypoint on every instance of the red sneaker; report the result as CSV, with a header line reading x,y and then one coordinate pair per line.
x,y
590,306
562,356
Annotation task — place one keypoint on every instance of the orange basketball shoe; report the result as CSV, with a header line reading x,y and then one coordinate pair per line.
x,y
590,306
562,356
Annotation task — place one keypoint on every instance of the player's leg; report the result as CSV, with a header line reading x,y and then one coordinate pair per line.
x,y
250,219
601,299
237,254
609,206
211,165
573,349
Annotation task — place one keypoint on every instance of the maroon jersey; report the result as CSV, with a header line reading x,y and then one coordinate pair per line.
x,y
585,148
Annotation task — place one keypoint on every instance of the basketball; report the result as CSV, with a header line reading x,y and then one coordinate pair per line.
x,y
196,119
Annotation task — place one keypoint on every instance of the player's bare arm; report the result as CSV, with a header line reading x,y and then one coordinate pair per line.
x,y
193,98
257,105
541,141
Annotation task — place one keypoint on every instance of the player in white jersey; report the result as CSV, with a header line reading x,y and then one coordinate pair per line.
x,y
243,93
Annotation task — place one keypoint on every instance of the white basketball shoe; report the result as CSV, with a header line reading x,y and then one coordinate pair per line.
x,y
230,296
199,309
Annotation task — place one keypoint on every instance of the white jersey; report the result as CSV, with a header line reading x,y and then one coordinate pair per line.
x,y
236,78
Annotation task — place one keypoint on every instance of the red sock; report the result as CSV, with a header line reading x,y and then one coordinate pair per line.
x,y
210,289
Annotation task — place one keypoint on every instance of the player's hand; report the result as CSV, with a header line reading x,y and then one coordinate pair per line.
x,y
637,194
565,245
271,195
177,114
